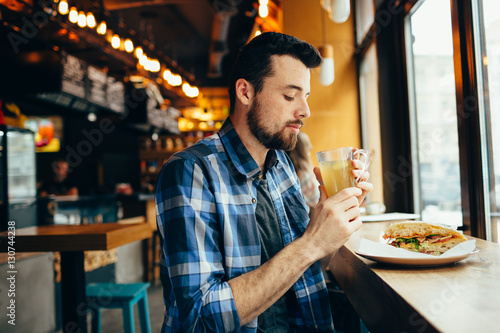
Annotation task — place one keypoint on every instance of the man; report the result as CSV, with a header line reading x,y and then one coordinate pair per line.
x,y
58,183
239,251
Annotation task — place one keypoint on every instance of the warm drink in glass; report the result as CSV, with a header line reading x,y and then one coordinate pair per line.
x,y
336,167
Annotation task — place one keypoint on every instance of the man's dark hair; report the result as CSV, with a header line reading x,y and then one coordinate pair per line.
x,y
254,60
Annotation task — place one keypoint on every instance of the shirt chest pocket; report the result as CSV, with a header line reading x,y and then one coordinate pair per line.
x,y
296,210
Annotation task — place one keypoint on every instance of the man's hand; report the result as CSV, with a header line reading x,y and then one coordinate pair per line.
x,y
334,220
337,218
362,182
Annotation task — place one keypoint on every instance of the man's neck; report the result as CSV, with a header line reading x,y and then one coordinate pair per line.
x,y
256,149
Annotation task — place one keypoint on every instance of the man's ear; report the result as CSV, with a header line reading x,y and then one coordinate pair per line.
x,y
244,92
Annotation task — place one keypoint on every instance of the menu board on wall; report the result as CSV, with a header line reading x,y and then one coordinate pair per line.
x,y
165,118
96,86
91,84
73,76
115,91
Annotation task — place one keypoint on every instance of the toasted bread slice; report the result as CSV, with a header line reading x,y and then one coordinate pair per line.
x,y
418,229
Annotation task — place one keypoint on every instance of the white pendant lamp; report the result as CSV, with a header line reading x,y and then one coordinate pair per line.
x,y
340,10
327,69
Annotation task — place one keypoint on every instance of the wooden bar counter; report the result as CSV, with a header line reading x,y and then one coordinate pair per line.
x,y
459,297
72,241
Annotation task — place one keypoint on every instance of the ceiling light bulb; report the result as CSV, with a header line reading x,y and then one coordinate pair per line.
x,y
129,46
143,59
91,23
154,66
115,41
91,117
138,52
147,64
195,91
172,79
176,80
327,69
101,29
73,15
340,10
190,91
166,74
82,20
63,7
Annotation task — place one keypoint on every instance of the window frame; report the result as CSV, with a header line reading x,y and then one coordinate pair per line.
x,y
469,129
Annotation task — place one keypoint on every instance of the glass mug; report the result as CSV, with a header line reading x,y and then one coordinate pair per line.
x,y
336,168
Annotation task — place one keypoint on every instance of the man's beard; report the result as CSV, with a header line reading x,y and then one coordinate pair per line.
x,y
276,140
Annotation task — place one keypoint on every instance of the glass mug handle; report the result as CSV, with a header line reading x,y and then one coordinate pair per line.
x,y
366,155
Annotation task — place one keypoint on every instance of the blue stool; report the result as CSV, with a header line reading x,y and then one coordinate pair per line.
x,y
124,296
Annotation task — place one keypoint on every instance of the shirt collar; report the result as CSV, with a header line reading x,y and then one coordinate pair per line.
x,y
238,153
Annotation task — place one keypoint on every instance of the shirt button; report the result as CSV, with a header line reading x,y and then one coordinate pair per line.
x,y
259,176
254,200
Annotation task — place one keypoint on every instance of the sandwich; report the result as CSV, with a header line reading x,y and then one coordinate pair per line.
x,y
422,237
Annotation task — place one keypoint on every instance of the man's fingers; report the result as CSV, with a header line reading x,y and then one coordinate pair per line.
x,y
352,207
365,186
346,194
317,173
355,224
364,175
357,164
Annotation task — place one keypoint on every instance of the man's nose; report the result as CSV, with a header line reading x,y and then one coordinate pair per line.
x,y
304,111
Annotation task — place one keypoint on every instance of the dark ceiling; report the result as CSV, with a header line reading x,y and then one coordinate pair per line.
x,y
202,36
198,39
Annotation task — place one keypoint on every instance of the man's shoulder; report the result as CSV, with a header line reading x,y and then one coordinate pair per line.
x,y
200,151
196,161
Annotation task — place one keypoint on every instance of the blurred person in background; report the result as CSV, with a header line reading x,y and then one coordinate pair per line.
x,y
301,159
58,183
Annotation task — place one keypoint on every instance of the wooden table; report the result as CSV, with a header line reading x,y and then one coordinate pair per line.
x,y
461,297
72,241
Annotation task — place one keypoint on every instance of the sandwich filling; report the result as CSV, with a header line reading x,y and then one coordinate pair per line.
x,y
425,244
422,237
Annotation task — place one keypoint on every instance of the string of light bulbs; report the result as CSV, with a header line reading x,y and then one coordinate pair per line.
x,y
83,20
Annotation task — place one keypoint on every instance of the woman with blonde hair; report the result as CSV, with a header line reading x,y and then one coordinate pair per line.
x,y
301,159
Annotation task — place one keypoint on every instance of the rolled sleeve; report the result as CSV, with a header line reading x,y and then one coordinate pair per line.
x,y
192,242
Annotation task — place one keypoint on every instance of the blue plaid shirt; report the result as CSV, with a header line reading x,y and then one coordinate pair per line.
x,y
205,207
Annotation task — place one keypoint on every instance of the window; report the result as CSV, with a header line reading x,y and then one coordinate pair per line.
x,y
365,16
433,115
486,16
368,94
370,119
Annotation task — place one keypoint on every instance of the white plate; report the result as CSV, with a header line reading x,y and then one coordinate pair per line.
x,y
423,262
389,217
